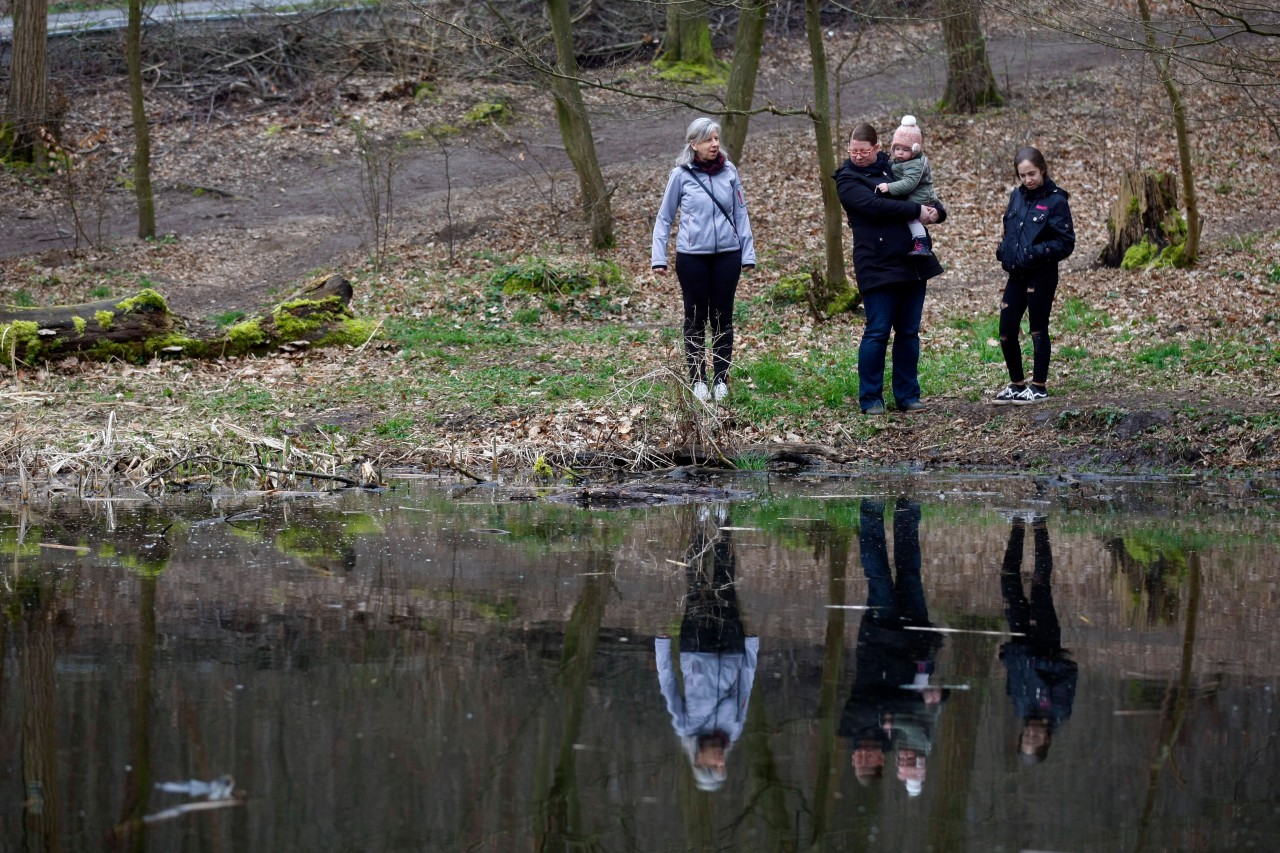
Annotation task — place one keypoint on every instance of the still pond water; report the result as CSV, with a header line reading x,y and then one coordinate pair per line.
x,y
905,663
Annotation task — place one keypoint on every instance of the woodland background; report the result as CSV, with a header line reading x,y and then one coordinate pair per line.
x,y
416,151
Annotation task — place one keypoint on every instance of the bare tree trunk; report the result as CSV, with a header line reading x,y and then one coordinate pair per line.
x,y
741,89
575,128
833,224
688,34
1191,249
141,131
28,109
970,83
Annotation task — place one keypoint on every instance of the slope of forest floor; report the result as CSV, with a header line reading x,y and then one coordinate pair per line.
x,y
1158,370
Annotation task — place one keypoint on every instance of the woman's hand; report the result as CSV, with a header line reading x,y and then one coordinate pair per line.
x,y
660,270
928,215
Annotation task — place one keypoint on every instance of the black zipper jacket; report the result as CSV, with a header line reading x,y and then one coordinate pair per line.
x,y
1037,230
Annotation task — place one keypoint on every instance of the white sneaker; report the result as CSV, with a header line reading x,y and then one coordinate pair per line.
x,y
1032,394
721,392
1009,394
1027,516
700,391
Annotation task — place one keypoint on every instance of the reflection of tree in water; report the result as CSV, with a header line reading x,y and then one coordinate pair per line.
x,y
1148,576
562,822
33,606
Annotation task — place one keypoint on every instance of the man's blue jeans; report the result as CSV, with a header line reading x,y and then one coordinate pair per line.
x,y
896,308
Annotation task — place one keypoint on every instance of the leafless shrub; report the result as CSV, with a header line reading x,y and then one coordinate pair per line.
x,y
379,158
82,180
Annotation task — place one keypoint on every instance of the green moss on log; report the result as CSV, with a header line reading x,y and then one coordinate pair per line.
x,y
22,332
301,318
146,299
105,319
304,319
244,337
353,331
140,351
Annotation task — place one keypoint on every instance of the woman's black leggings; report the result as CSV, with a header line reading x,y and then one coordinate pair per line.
x,y
1033,296
708,283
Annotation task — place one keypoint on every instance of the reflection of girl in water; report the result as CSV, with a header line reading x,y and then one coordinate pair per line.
x,y
717,659
1042,679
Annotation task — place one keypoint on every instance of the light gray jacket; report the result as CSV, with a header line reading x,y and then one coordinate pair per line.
x,y
704,229
717,687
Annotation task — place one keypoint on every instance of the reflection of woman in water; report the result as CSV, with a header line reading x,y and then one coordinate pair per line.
x,y
1042,679
717,659
893,705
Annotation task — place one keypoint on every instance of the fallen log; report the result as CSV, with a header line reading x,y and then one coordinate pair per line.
x,y
774,455
139,327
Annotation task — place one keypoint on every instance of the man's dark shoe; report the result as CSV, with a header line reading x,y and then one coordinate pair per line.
x,y
913,406
874,409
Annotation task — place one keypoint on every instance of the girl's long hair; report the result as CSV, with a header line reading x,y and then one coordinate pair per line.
x,y
1032,156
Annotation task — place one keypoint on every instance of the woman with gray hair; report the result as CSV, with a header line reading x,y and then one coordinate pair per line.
x,y
713,246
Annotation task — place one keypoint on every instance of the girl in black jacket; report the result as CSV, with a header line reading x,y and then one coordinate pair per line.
x,y
1037,235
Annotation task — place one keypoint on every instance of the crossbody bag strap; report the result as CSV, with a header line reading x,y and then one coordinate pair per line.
x,y
715,200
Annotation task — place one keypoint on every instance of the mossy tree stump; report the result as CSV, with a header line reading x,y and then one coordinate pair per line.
x,y
141,326
1146,209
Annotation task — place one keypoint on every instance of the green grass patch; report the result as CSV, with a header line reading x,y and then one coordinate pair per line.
x,y
1161,356
526,370
539,275
776,387
1227,355
398,427
790,289
1077,316
754,461
242,400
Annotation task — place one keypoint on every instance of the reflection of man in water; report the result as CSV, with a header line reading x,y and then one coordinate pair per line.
x,y
717,659
892,704
1042,679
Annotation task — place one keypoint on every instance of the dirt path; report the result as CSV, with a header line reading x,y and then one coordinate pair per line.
x,y
293,215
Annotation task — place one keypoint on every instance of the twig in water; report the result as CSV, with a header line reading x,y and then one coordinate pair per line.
x,y
253,466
